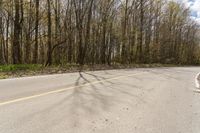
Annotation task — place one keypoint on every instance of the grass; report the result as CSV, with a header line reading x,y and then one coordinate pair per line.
x,y
20,67
3,76
23,70
20,70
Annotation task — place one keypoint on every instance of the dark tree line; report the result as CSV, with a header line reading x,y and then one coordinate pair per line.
x,y
97,32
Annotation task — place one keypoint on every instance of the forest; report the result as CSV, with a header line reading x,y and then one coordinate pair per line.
x,y
92,32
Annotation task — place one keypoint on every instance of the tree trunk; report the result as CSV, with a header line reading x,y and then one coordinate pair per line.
x,y
35,55
49,51
16,53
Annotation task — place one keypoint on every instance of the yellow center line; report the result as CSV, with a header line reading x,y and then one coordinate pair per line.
x,y
64,89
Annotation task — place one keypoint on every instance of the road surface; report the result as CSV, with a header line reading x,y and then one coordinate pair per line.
x,y
158,100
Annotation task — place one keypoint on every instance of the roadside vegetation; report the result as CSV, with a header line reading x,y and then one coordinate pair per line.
x,y
13,71
66,35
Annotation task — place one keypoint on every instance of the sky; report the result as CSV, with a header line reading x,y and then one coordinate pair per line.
x,y
194,6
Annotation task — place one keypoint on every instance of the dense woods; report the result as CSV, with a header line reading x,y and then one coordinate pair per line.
x,y
97,32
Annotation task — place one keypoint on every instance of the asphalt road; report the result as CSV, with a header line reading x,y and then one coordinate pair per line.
x,y
159,100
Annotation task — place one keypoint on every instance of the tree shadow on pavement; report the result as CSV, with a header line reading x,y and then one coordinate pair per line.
x,y
88,99
164,73
197,91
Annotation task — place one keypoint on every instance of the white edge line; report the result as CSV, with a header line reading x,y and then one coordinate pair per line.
x,y
197,84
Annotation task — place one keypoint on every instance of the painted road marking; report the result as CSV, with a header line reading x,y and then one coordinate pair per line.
x,y
197,81
65,89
